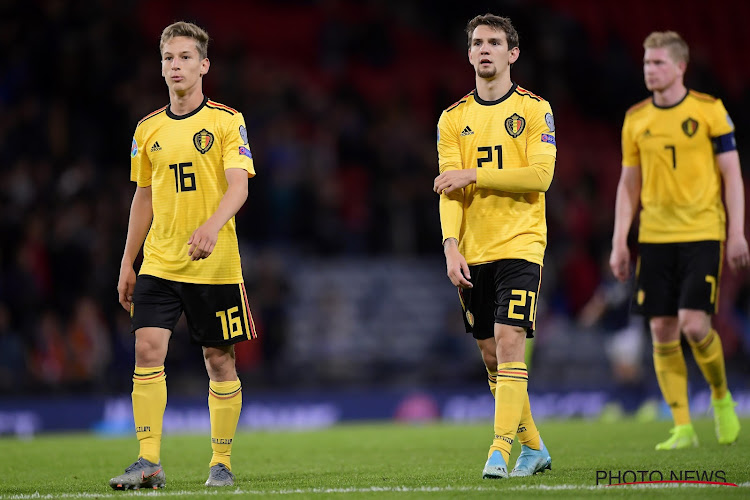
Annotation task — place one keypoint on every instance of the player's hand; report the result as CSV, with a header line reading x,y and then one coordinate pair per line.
x,y
458,269
619,262
454,179
202,242
738,255
125,286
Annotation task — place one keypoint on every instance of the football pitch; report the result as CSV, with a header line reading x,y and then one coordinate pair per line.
x,y
385,460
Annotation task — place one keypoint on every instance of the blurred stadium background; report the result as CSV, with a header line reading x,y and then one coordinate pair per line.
x,y
340,236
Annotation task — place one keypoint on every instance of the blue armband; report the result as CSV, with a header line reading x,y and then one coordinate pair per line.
x,y
724,143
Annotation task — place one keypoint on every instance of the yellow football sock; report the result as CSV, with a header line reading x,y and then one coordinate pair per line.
x,y
149,401
527,432
492,380
710,358
224,406
510,395
671,372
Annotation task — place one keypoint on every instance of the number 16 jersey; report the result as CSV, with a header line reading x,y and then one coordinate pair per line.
x,y
183,159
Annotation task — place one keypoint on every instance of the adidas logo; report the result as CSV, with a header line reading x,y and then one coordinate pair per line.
x,y
155,147
467,131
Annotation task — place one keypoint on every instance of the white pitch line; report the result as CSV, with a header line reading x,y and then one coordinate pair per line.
x,y
372,489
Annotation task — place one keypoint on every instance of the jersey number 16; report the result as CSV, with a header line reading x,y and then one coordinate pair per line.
x,y
183,180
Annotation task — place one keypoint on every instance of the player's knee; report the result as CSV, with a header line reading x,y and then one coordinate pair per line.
x,y
511,344
488,350
151,346
490,359
694,324
219,362
664,329
147,354
695,331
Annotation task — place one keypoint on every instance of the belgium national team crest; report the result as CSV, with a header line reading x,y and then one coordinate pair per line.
x,y
515,124
690,127
203,141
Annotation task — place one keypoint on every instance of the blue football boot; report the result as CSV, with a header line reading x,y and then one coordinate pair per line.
x,y
530,461
495,468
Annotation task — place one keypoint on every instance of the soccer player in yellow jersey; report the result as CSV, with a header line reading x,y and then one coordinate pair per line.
x,y
497,149
678,148
191,161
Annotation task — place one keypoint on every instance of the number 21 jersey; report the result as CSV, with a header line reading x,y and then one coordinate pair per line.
x,y
502,134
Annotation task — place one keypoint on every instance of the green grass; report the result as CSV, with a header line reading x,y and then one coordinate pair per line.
x,y
377,461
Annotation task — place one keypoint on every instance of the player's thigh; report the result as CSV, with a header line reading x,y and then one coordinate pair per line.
x,y
657,280
217,315
156,304
477,303
517,284
700,267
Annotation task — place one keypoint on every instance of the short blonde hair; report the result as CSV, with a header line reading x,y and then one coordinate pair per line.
x,y
189,30
672,41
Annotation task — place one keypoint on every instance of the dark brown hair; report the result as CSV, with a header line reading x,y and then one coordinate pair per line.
x,y
497,23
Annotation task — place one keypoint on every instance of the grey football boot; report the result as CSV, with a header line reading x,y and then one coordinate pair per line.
x,y
220,476
141,474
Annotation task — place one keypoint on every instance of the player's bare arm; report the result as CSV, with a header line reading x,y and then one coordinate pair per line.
x,y
457,268
738,255
141,214
628,196
203,240
451,180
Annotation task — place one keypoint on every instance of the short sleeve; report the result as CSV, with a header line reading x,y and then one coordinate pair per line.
x,y
140,164
541,131
719,122
449,151
631,155
236,152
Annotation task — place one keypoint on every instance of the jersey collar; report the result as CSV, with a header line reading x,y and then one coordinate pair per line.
x,y
496,101
182,117
687,93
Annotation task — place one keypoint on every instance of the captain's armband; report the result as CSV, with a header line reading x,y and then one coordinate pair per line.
x,y
724,143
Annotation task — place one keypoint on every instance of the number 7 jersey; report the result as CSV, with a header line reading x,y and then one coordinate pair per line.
x,y
183,159
501,134
680,180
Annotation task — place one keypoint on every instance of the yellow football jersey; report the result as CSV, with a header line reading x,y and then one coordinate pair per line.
x,y
680,180
183,159
505,133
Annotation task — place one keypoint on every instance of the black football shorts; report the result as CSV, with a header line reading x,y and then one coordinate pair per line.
x,y
673,276
505,292
216,314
